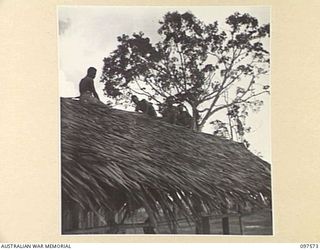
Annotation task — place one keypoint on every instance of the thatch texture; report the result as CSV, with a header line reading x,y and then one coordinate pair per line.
x,y
112,157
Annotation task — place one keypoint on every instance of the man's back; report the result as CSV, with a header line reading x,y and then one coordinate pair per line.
x,y
184,119
146,107
86,84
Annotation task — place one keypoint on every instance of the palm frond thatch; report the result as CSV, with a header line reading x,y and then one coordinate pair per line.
x,y
113,158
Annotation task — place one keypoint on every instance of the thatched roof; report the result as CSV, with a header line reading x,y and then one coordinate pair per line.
x,y
112,157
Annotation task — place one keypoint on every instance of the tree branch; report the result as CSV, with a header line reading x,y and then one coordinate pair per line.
x,y
182,67
255,95
238,101
149,83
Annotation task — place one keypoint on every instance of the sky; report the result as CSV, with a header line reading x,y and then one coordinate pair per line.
x,y
87,34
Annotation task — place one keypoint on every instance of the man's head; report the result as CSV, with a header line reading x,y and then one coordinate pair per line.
x,y
91,72
170,101
135,99
181,108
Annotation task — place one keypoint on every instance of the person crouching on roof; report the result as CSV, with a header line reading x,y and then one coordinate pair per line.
x,y
184,118
88,94
170,112
144,106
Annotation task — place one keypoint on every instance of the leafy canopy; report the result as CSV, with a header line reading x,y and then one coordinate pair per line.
x,y
207,67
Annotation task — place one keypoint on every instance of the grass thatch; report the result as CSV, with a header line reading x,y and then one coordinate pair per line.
x,y
113,157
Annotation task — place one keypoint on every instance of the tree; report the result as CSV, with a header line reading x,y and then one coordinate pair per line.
x,y
197,64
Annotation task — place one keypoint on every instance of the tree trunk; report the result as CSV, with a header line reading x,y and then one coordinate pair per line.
x,y
230,127
195,114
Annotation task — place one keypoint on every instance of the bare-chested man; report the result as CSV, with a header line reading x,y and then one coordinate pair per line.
x,y
88,94
87,85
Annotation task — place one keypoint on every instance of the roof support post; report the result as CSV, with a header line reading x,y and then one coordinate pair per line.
x,y
225,225
148,229
225,221
205,224
152,220
75,212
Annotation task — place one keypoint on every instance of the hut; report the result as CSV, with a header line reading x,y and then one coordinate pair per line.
x,y
117,164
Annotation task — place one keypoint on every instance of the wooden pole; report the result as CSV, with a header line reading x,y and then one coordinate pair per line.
x,y
152,220
111,222
82,218
203,225
174,229
225,225
225,222
148,229
205,222
240,224
74,216
198,209
198,226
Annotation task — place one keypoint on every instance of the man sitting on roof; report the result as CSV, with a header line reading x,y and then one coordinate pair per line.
x,y
170,112
184,118
144,106
88,94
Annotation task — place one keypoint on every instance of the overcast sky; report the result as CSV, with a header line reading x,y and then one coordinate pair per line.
x,y
88,34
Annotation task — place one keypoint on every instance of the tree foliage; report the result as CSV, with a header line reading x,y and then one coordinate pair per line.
x,y
197,64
